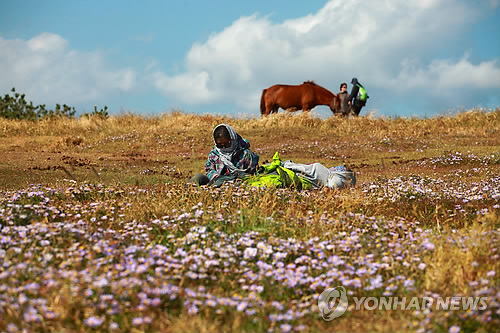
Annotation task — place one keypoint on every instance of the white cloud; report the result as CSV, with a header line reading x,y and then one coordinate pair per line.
x,y
445,76
46,42
49,72
393,46
184,86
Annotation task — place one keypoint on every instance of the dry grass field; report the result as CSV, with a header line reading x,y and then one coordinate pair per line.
x,y
99,231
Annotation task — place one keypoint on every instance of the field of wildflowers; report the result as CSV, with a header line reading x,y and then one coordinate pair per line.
x,y
100,233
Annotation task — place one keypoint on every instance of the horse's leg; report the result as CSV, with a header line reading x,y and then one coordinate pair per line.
x,y
269,109
306,107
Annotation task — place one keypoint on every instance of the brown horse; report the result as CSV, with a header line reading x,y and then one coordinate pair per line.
x,y
301,97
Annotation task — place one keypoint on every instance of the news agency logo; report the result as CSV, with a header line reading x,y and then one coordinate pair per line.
x,y
333,303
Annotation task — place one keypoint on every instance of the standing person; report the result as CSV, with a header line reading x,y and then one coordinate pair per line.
x,y
229,159
357,97
344,100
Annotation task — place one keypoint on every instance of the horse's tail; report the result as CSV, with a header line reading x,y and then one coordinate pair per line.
x,y
263,103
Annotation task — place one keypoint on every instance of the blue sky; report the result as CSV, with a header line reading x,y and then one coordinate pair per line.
x,y
416,57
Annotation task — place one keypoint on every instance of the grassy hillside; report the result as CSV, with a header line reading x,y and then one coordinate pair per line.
x,y
99,232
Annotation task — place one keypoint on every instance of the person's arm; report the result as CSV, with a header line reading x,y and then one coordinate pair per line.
x,y
214,166
248,161
354,93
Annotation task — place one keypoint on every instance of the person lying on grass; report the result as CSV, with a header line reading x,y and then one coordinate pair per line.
x,y
301,176
230,158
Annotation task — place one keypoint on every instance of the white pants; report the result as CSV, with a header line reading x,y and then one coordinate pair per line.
x,y
321,176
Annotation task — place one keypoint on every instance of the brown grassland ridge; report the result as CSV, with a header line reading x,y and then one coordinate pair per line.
x,y
122,146
81,199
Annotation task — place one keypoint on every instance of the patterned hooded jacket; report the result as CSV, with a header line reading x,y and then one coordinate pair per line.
x,y
236,159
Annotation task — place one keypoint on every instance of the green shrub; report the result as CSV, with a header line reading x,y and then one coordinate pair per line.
x,y
16,107
102,113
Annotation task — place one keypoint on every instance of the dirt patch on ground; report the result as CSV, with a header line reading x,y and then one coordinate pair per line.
x,y
75,161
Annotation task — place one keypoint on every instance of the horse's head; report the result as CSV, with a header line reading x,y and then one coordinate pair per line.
x,y
335,104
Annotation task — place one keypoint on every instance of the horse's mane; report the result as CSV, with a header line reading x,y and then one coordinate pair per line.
x,y
318,87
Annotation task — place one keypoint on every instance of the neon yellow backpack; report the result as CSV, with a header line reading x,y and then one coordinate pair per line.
x,y
274,175
362,94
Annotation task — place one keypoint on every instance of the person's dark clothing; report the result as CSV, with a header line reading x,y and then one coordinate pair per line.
x,y
357,104
199,179
356,109
344,103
